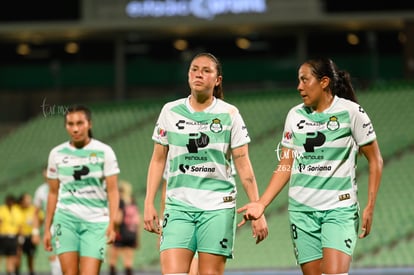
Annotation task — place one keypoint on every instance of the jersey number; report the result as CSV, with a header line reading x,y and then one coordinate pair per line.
x,y
294,231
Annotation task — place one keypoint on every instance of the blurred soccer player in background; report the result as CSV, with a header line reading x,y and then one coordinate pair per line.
x,y
40,203
83,197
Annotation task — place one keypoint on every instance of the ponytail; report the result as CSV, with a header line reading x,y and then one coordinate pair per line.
x,y
343,86
340,81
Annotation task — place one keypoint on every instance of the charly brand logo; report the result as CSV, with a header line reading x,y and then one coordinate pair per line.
x,y
52,109
205,9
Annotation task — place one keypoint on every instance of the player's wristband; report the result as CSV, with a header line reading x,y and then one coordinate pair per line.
x,y
35,231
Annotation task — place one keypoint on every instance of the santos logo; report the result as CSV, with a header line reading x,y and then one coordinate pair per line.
x,y
206,9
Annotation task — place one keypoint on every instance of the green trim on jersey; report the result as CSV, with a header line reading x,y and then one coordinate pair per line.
x,y
83,153
84,201
197,183
327,183
199,117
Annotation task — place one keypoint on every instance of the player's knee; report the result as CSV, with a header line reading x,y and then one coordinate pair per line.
x,y
335,274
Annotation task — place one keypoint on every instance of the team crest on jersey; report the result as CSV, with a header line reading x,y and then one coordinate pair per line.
x,y
216,126
93,158
333,123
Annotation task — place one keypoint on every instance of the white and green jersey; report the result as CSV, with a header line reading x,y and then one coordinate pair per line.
x,y
81,174
199,169
325,146
40,196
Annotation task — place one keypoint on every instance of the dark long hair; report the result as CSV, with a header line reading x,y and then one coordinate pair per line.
x,y
218,90
80,108
340,83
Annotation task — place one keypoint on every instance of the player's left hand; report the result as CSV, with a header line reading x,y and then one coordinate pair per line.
x,y
259,229
367,217
110,236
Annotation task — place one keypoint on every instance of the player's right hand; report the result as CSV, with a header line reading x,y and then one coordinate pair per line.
x,y
151,220
47,241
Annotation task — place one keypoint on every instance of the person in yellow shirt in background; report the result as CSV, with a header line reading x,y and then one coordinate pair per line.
x,y
26,245
11,221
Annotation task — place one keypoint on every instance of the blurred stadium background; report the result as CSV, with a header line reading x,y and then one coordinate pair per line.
x,y
125,59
